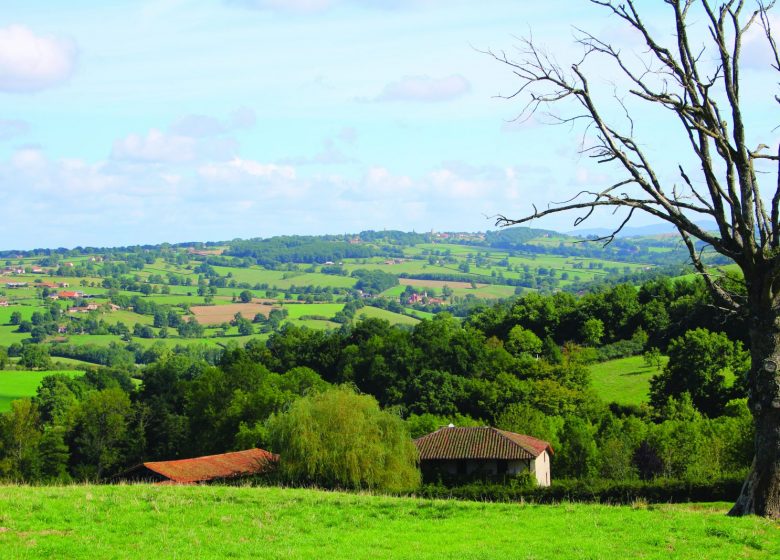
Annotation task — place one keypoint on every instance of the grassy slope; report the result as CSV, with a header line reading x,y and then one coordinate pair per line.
x,y
18,384
625,381
223,522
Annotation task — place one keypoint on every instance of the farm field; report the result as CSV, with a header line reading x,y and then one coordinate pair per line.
x,y
218,314
393,318
243,522
19,384
624,381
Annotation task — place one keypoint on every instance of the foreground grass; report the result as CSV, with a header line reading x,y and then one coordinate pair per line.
x,y
227,522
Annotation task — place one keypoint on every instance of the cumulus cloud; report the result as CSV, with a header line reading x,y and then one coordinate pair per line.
x,y
12,128
190,138
198,126
30,62
154,147
243,117
426,89
239,169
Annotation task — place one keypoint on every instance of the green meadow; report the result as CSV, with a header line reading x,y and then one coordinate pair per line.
x,y
19,384
624,381
205,522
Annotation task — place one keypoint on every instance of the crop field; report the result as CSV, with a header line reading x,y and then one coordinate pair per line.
x,y
242,522
19,384
217,314
624,381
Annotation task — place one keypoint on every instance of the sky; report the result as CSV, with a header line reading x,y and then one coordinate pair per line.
x,y
133,121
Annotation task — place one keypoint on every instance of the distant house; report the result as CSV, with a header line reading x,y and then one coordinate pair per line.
x,y
71,295
483,451
200,470
3,303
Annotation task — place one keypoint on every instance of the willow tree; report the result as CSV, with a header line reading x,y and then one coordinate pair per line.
x,y
694,76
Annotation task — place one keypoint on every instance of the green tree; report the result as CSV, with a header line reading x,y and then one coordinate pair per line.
x,y
523,341
340,439
35,356
592,332
699,362
100,433
245,296
20,432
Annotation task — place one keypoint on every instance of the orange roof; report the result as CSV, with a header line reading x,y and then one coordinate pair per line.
x,y
211,467
479,443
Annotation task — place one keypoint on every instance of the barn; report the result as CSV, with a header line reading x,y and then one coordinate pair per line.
x,y
482,452
202,470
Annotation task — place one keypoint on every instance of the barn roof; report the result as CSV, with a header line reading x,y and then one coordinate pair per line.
x,y
479,443
210,467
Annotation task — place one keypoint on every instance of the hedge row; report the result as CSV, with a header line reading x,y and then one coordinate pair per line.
x,y
603,491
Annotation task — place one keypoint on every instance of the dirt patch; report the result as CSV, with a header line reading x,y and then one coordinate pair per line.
x,y
218,314
435,283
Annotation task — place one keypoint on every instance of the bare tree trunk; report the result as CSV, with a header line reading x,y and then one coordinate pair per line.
x,y
761,491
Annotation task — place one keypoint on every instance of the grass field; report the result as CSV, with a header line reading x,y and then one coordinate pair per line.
x,y
624,381
393,318
230,522
18,384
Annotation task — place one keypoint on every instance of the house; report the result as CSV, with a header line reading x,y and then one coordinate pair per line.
x,y
3,303
483,451
71,295
198,470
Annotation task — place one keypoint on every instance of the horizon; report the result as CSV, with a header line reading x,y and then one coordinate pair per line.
x,y
149,122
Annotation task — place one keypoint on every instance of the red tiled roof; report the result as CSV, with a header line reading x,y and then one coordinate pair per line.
x,y
479,443
210,467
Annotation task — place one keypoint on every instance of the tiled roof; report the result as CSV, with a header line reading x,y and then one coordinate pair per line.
x,y
479,443
210,467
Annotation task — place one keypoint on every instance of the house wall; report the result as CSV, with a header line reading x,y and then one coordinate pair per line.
x,y
541,466
471,467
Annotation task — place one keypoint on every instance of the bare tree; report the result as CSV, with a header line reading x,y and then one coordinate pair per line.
x,y
694,77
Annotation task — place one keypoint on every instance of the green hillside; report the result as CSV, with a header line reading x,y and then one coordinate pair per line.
x,y
231,522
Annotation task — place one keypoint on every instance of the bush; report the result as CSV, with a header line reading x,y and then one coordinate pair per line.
x,y
339,439
604,491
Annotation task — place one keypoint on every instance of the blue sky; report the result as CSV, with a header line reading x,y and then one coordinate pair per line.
x,y
137,121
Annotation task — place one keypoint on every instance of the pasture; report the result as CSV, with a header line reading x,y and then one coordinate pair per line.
x,y
19,384
624,381
144,521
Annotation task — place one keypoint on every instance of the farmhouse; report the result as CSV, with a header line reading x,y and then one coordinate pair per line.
x,y
199,470
483,451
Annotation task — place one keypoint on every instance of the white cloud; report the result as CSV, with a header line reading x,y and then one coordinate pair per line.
x,y
425,88
240,169
243,117
12,128
155,147
198,126
30,62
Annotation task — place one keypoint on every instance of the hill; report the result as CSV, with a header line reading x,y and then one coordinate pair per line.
x,y
233,522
